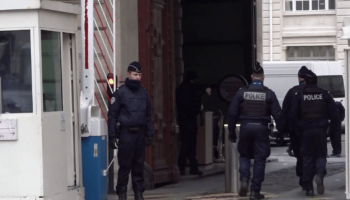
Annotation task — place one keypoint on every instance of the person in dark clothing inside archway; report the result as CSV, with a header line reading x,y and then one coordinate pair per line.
x,y
188,102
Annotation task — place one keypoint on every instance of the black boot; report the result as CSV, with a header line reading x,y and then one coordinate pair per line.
x,y
309,188
319,183
244,187
254,195
121,192
138,194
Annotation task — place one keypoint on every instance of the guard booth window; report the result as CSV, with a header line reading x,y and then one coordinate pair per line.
x,y
16,72
51,73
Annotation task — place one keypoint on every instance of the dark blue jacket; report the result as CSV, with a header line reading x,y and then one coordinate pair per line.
x,y
313,123
188,100
234,111
341,110
287,105
130,107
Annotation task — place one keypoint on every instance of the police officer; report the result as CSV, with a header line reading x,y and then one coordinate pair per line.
x,y
311,110
131,107
335,130
294,146
188,102
253,106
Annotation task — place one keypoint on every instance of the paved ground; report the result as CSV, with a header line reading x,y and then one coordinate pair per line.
x,y
280,182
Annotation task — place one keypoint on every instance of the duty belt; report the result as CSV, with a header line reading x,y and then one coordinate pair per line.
x,y
133,129
256,123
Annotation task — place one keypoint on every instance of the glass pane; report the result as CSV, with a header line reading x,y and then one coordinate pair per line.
x,y
331,51
314,4
333,84
323,52
52,75
331,4
306,51
306,5
289,5
290,52
322,5
299,5
316,51
16,72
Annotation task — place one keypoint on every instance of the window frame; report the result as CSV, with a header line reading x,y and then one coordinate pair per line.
x,y
33,71
310,6
311,58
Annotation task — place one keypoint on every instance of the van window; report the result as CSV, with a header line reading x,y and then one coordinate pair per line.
x,y
334,84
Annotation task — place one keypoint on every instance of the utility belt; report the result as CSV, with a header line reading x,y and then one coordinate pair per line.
x,y
255,123
132,129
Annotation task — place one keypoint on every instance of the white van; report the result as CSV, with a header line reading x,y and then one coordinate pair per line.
x,y
280,76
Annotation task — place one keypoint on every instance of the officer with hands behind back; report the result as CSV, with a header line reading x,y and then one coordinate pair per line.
x,y
294,146
310,112
253,106
131,107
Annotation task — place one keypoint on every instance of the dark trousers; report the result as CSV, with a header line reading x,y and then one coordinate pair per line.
x,y
295,146
131,157
314,153
335,137
254,144
188,133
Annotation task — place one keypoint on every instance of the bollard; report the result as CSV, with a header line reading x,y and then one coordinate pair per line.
x,y
232,182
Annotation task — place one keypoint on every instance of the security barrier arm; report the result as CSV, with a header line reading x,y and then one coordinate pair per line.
x,y
87,74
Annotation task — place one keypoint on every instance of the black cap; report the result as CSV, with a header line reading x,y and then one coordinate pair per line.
x,y
190,75
257,69
302,71
310,77
135,67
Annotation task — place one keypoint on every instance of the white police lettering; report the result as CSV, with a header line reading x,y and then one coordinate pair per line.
x,y
256,96
313,97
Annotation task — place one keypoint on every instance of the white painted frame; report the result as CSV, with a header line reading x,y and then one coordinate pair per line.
x,y
34,77
310,6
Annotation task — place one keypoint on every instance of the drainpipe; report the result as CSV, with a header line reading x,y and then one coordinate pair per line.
x,y
271,35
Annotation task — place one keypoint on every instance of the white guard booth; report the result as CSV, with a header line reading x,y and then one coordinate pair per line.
x,y
40,146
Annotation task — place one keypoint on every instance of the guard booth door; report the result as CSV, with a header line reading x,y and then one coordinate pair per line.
x,y
60,102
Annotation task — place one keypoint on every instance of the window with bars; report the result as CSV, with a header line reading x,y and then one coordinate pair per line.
x,y
311,53
308,5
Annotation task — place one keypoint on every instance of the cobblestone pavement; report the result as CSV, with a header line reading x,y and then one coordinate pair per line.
x,y
285,179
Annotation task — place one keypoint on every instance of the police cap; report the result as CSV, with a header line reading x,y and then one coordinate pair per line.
x,y
302,71
310,77
135,67
257,69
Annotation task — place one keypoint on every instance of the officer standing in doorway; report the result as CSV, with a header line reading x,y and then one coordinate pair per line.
x,y
253,106
294,146
311,110
188,102
131,107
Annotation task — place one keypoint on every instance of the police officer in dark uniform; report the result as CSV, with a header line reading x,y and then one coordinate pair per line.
x,y
311,110
253,106
188,102
335,130
131,107
294,146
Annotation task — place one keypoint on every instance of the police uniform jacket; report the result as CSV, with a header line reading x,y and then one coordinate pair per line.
x,y
131,108
287,105
252,93
312,108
